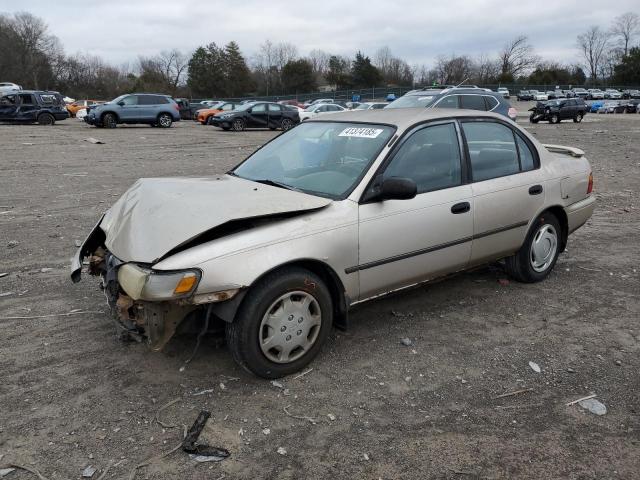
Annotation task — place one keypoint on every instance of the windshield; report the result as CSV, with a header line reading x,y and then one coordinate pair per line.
x,y
409,101
321,158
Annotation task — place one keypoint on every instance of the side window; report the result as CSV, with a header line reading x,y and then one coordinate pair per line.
x,y
130,100
227,106
259,108
492,150
430,157
491,102
27,99
450,101
274,108
8,100
473,102
527,161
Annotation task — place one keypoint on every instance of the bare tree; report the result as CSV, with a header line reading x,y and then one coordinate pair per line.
x,y
174,66
592,45
453,69
319,60
517,56
486,69
625,28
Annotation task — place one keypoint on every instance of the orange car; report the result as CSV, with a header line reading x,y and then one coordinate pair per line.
x,y
206,114
73,108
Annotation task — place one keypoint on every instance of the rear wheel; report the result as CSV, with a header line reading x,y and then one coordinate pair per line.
x,y
164,120
238,125
282,323
286,124
578,118
109,120
46,119
539,253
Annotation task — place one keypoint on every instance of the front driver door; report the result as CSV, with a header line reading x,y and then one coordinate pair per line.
x,y
129,109
258,116
403,242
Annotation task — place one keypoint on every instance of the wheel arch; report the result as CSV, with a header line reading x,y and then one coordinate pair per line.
x,y
321,269
561,215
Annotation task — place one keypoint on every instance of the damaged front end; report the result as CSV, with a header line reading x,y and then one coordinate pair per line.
x,y
147,305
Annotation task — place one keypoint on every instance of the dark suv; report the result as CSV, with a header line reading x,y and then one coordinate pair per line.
x,y
155,110
467,98
556,110
29,106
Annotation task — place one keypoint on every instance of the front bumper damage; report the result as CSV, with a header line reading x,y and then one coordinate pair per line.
x,y
152,322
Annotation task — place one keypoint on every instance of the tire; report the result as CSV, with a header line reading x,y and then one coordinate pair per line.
x,y
554,118
286,124
539,252
578,117
226,129
209,121
109,120
238,125
46,119
533,119
164,120
306,333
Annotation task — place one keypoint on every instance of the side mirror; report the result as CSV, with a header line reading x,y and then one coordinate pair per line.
x,y
397,188
121,103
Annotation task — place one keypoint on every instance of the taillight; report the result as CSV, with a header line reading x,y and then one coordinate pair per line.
x,y
590,185
512,113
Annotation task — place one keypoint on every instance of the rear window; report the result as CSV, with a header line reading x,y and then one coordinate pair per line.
x,y
492,150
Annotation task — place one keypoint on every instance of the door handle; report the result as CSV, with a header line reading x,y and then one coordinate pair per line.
x,y
462,207
535,190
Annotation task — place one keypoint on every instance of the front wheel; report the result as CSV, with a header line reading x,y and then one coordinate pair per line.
x,y
238,125
539,253
282,323
46,119
533,118
555,118
164,120
109,120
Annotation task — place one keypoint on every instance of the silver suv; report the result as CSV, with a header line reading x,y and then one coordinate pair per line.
x,y
155,110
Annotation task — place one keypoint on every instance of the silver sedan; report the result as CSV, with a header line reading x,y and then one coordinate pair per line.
x,y
337,211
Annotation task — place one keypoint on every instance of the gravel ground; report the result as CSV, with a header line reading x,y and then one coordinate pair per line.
x,y
73,395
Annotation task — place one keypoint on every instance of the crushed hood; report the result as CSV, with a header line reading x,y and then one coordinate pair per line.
x,y
156,215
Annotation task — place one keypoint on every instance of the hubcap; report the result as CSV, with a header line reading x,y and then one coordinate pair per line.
x,y
543,248
290,327
237,125
164,120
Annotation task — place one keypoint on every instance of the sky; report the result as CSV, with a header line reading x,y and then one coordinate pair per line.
x,y
415,30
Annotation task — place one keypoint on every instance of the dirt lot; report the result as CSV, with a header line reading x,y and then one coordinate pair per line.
x,y
73,395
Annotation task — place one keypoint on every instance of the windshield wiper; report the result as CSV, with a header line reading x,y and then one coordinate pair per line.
x,y
273,183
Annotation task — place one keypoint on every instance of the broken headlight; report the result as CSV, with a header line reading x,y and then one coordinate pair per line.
x,y
146,284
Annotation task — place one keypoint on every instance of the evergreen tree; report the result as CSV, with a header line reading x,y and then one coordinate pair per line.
x,y
338,72
206,72
628,72
238,79
298,76
363,73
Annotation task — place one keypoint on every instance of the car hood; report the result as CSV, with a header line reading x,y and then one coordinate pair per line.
x,y
157,215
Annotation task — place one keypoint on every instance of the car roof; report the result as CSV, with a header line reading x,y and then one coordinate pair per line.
x,y
403,117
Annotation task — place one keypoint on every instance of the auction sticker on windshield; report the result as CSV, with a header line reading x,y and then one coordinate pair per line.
x,y
361,132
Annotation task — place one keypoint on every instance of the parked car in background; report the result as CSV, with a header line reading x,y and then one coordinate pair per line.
x,y
81,105
504,92
184,107
257,115
540,96
7,87
554,111
31,106
612,94
631,94
371,106
153,109
556,94
524,95
294,108
632,106
612,107
595,106
580,92
595,94
391,97
295,103
329,215
205,116
317,100
466,98
319,109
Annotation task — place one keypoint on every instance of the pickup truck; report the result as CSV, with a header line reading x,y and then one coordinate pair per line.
x,y
554,111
